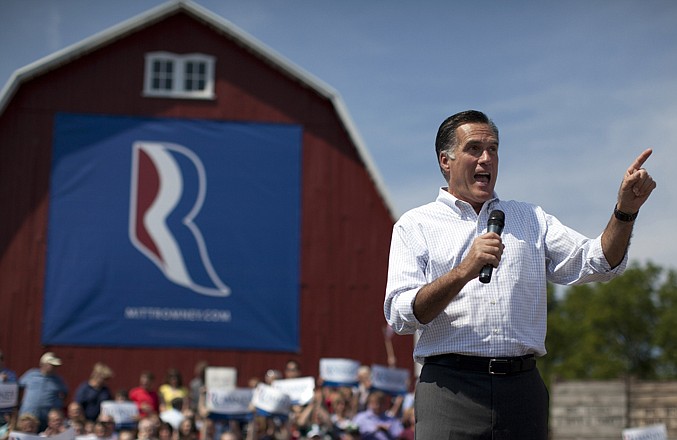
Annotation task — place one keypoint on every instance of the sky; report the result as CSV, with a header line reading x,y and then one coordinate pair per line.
x,y
578,89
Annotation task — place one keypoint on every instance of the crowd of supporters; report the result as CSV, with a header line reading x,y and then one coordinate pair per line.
x,y
177,411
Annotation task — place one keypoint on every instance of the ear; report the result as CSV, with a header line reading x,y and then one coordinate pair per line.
x,y
445,162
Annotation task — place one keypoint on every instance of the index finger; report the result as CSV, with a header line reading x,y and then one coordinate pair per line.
x,y
637,164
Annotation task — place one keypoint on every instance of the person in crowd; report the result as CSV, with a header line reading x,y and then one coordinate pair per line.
x,y
56,423
292,369
363,386
7,415
121,395
312,415
409,424
187,429
77,426
91,393
375,423
6,375
108,423
43,389
165,431
229,435
478,336
147,429
75,414
126,434
172,389
272,375
342,414
197,384
28,423
173,414
207,428
145,397
89,427
7,422
102,431
268,428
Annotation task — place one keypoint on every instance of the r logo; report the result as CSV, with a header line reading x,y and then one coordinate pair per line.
x,y
166,179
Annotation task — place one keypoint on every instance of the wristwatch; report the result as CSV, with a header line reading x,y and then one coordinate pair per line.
x,y
624,216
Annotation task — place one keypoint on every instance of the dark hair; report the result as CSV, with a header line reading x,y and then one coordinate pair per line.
x,y
174,373
446,134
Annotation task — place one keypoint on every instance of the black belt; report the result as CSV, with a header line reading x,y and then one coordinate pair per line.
x,y
498,366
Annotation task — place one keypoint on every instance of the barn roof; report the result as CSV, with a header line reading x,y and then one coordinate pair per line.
x,y
219,24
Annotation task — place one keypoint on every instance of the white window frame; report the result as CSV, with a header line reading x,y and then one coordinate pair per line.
x,y
179,63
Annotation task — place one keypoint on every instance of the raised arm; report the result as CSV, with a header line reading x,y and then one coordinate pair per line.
x,y
635,189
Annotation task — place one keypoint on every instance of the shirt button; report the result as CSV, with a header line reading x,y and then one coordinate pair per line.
x,y
496,331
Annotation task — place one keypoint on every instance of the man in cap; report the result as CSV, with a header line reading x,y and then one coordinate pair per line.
x,y
42,389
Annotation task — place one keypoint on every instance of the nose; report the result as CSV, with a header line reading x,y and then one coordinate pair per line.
x,y
485,157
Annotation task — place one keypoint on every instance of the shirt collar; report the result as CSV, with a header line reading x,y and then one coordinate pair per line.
x,y
460,207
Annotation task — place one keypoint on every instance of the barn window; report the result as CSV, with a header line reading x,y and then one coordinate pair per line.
x,y
179,76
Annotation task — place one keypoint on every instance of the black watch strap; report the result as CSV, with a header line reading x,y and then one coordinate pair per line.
x,y
624,216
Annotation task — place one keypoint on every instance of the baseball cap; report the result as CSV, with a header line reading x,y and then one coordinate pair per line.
x,y
50,358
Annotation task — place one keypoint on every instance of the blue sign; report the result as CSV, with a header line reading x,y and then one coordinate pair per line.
x,y
173,233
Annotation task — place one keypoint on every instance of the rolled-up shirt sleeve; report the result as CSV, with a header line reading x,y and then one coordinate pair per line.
x,y
406,275
576,259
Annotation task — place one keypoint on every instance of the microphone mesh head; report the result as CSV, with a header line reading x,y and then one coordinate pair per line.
x,y
497,217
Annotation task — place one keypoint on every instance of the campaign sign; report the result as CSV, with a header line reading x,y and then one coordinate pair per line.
x,y
173,233
9,395
68,434
123,413
229,403
300,389
270,401
338,372
653,432
390,380
220,378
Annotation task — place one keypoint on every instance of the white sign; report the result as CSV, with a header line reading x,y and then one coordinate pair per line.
x,y
300,390
123,413
220,378
9,395
390,380
271,401
653,432
232,402
68,434
339,372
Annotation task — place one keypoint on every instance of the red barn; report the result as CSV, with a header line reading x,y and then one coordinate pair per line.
x,y
180,62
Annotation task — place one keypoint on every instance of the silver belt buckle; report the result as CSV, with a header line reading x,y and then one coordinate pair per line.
x,y
499,363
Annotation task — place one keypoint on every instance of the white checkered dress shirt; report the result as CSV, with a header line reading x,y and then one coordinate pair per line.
x,y
506,317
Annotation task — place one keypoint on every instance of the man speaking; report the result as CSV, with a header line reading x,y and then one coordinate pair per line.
x,y
478,340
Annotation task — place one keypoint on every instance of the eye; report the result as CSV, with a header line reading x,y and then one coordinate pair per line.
x,y
474,149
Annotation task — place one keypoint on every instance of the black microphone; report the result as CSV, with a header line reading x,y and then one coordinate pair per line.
x,y
494,224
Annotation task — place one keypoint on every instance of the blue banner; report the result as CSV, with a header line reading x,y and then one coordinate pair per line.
x,y
173,233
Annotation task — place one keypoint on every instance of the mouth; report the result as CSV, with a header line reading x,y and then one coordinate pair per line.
x,y
483,178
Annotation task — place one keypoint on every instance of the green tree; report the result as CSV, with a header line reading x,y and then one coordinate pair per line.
x,y
610,330
665,336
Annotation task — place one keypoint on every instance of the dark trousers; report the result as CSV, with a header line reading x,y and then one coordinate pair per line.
x,y
462,405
